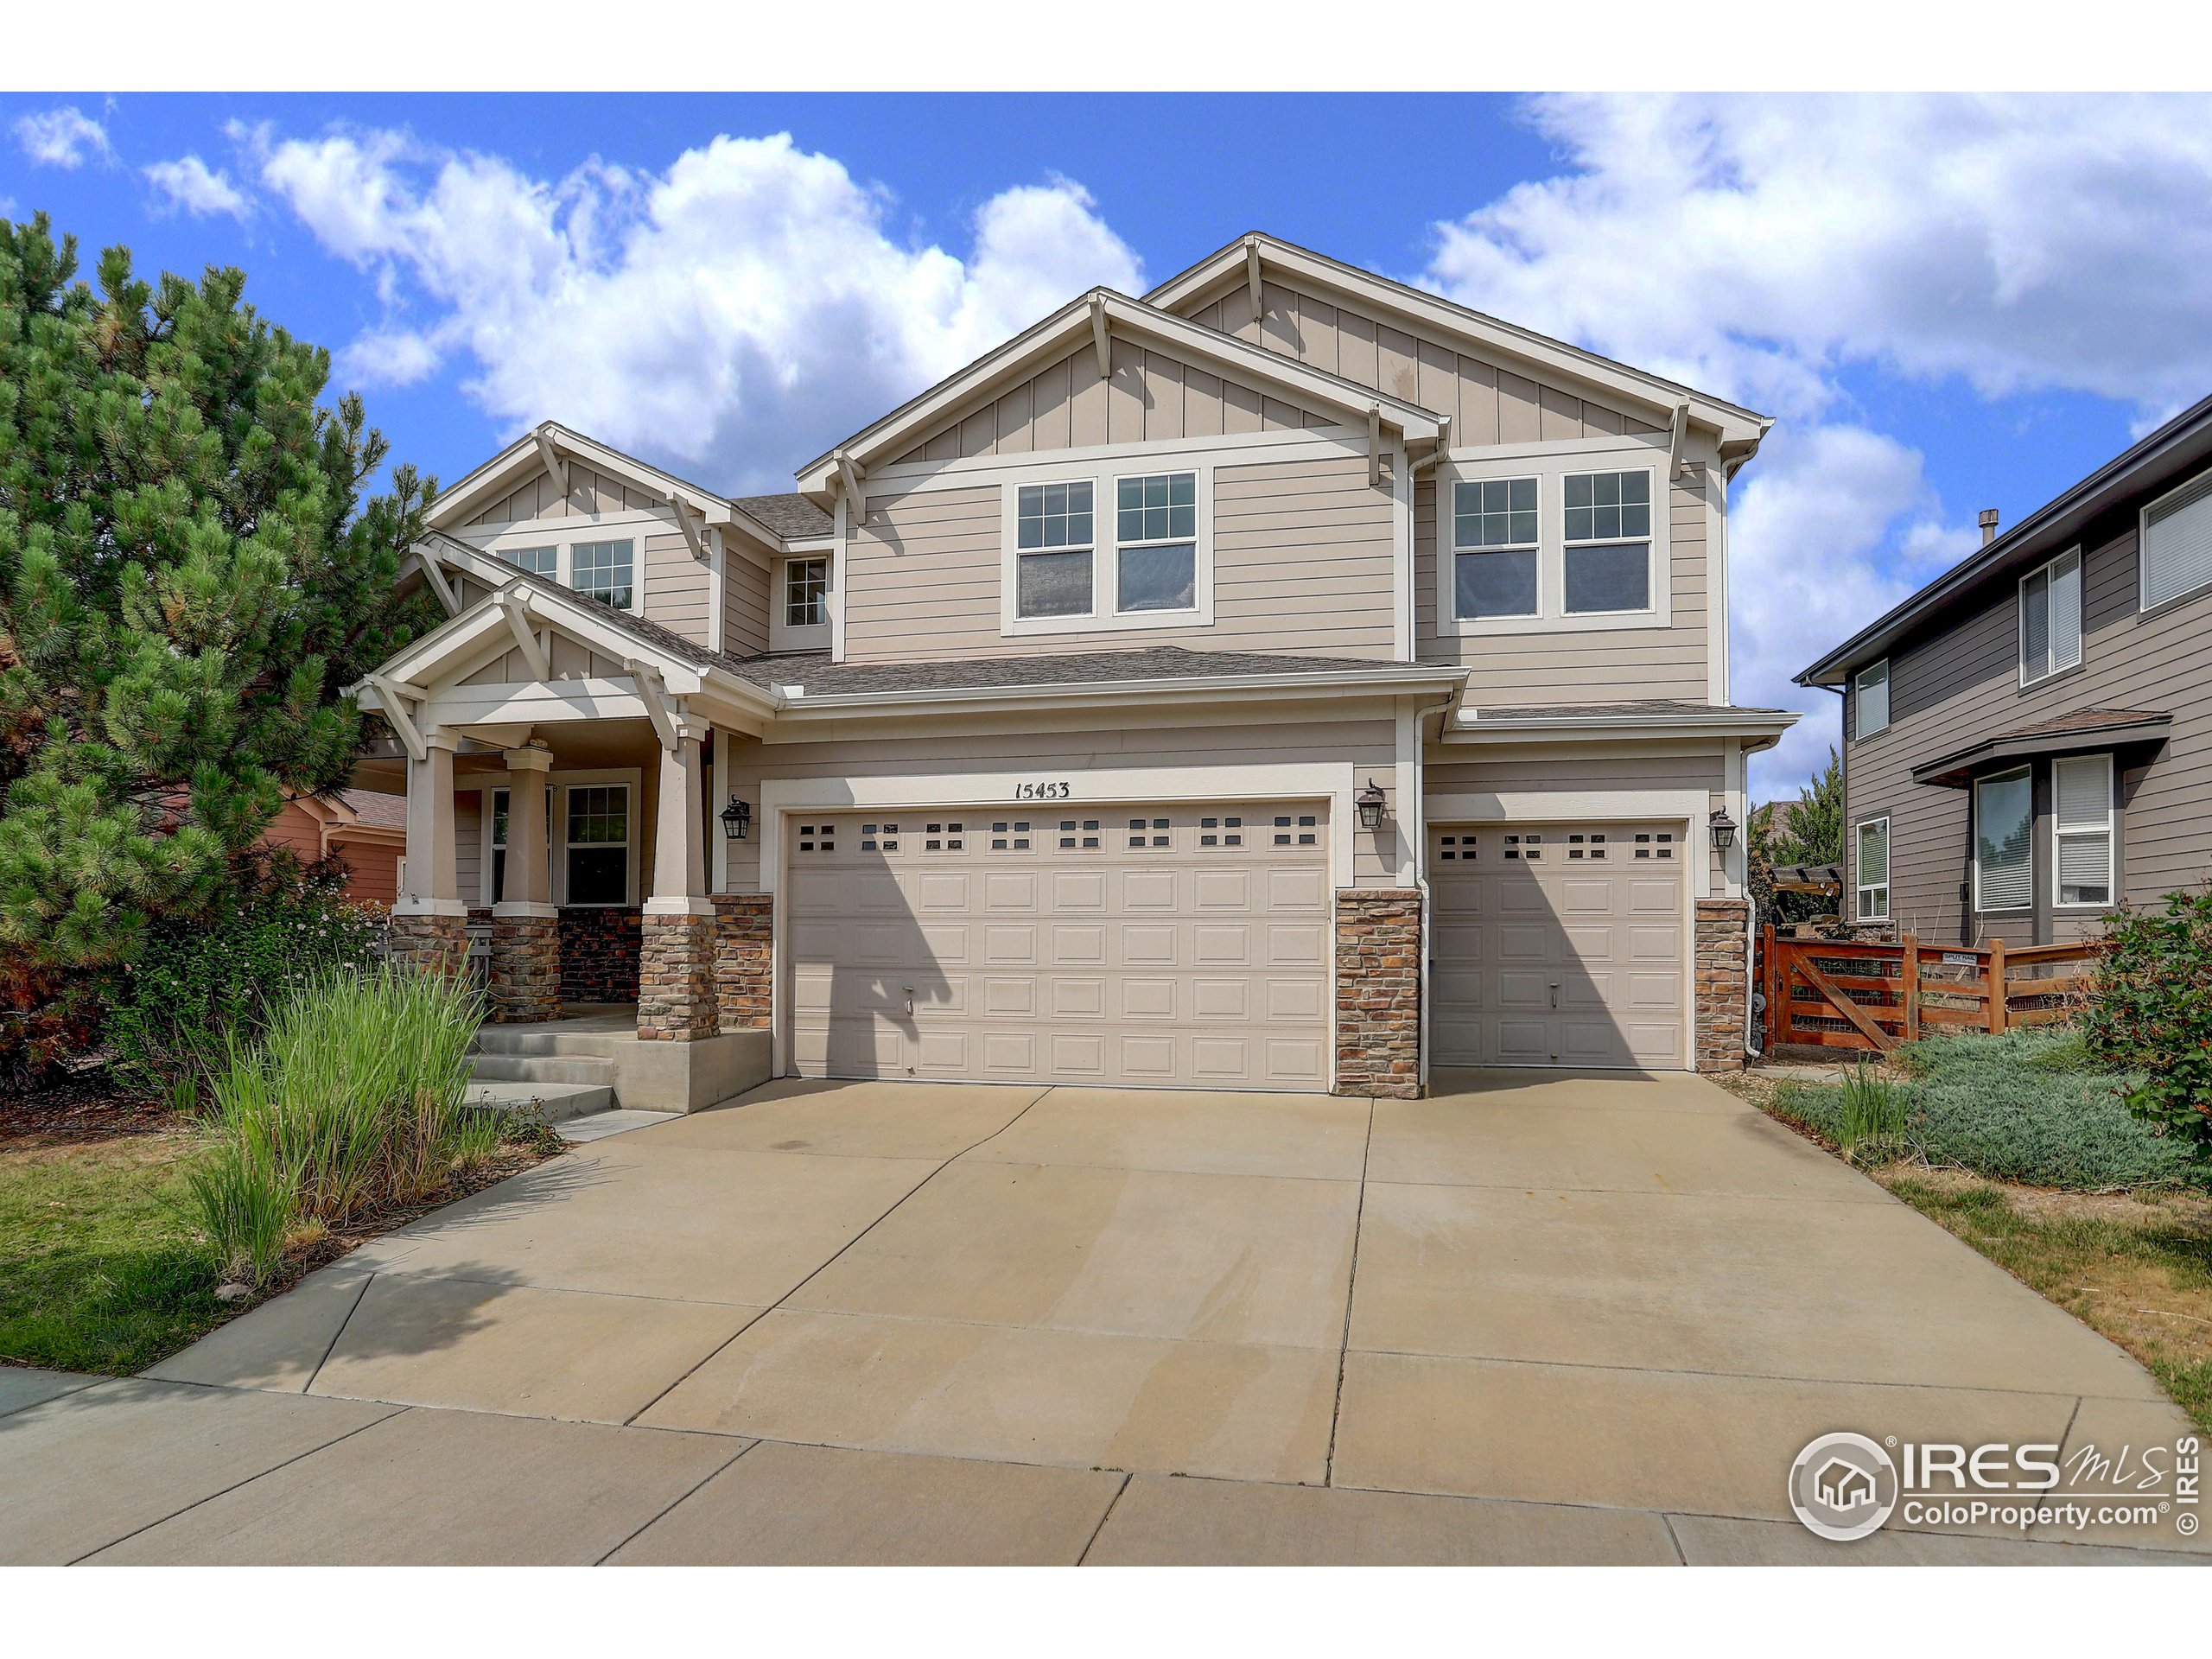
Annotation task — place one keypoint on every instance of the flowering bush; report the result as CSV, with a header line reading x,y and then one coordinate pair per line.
x,y
2151,1011
195,986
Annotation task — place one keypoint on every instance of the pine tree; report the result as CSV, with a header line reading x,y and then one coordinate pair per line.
x,y
1815,831
187,574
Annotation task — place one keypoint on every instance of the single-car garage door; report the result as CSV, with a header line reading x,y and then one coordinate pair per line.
x,y
1137,945
1559,945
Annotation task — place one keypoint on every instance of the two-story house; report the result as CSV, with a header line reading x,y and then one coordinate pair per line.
x,y
2022,737
1289,680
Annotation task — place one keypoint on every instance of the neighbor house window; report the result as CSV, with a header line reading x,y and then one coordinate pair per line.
x,y
1607,561
1494,547
2177,541
1155,543
598,844
2004,838
602,570
2082,825
1870,693
1874,870
806,593
538,561
1054,539
2050,617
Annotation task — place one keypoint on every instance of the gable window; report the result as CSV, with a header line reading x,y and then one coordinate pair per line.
x,y
2176,542
1870,694
1494,547
603,571
1052,573
806,593
2004,837
538,561
1155,537
1607,534
597,844
2050,617
2081,827
1873,870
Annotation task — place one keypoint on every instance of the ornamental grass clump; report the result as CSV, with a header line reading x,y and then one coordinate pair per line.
x,y
1871,1115
351,1103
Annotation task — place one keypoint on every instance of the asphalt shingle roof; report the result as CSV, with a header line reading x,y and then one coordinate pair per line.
x,y
791,517
817,676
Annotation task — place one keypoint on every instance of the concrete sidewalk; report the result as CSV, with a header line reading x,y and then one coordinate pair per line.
x,y
1538,1318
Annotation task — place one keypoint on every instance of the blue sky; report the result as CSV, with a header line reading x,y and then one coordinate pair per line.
x,y
1949,304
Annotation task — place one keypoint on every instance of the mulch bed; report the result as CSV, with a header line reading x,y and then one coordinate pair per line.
x,y
86,1106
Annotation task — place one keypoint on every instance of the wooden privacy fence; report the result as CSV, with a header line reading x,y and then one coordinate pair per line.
x,y
1871,997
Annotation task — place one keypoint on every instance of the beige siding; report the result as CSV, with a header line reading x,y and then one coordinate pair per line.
x,y
1302,562
745,606
589,492
468,845
1150,395
568,660
1962,687
1601,665
1040,750
676,587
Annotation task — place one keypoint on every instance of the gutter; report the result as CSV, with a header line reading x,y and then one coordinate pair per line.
x,y
797,702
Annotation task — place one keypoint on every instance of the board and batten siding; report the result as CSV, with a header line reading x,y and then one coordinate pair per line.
x,y
1303,556
590,494
1043,750
1962,687
1536,770
1598,665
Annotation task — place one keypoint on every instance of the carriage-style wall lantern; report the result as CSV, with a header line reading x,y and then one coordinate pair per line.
x,y
1370,803
1724,830
737,820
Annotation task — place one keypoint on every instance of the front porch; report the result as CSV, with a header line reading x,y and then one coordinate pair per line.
x,y
590,1058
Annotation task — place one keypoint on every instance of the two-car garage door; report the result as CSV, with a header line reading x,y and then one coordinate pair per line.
x,y
1137,945
1559,945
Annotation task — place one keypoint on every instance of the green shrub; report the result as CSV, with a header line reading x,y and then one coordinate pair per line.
x,y
244,1202
2151,1013
194,988
1871,1114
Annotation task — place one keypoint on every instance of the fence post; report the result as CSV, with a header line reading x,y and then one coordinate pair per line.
x,y
1911,971
1768,983
1997,1009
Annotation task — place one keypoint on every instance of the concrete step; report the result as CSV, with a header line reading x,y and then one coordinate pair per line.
x,y
599,1125
542,1068
552,1102
565,1036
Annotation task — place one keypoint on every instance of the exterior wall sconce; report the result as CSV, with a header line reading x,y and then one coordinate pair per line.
x,y
737,820
1370,803
1724,830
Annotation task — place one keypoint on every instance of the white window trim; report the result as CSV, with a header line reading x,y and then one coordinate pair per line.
x,y
635,525
1861,887
2059,834
1888,685
2143,605
2081,627
782,634
557,826
1549,464
1103,477
1447,525
1975,821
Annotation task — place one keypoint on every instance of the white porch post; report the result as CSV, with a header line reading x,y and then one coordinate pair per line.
x,y
528,890
429,923
676,967
679,844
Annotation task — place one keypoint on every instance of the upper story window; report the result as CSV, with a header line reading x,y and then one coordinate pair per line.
x,y
2081,795
1870,694
1873,870
2004,841
1155,542
806,593
1054,538
603,571
538,561
1494,547
2176,542
2050,617
1606,563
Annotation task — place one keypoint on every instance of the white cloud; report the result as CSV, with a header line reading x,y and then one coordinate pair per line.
x,y
187,183
65,136
735,315
1761,246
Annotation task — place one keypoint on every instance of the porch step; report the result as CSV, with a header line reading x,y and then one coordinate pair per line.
x,y
554,1103
587,1038
599,1125
542,1068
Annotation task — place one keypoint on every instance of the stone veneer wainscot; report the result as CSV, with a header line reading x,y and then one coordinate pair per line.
x,y
1378,992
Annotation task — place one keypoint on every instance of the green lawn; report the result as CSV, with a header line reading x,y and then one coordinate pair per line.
x,y
100,1269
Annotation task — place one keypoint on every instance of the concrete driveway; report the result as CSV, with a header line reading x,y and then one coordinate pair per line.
x,y
1537,1317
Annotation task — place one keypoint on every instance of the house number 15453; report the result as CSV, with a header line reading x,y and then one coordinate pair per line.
x,y
1048,792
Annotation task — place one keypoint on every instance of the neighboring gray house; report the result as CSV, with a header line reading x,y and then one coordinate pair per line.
x,y
2028,739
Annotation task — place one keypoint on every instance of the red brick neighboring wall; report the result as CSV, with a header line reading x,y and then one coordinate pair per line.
x,y
1378,992
1723,982
744,952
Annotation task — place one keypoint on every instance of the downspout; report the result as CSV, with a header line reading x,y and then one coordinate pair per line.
x,y
1421,855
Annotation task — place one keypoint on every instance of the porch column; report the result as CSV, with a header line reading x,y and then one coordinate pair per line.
x,y
525,934
429,923
676,972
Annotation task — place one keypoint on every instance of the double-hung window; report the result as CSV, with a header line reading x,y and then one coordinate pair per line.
x,y
1055,548
2050,617
2081,829
1494,547
1870,694
538,561
2004,841
1606,556
1873,870
2176,537
1155,542
597,844
806,593
603,571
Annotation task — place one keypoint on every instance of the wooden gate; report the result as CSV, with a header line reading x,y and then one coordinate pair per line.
x,y
1837,994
